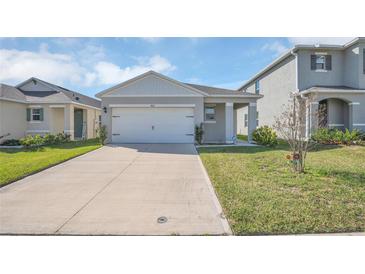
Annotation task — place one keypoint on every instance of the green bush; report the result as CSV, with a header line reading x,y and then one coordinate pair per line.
x,y
265,136
11,142
335,136
48,139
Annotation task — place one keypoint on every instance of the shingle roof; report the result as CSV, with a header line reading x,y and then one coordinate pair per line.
x,y
12,93
220,91
57,95
76,96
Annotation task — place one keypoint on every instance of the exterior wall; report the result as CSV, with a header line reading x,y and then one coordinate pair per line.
x,y
57,118
351,65
216,132
361,66
308,78
106,118
12,119
337,113
276,86
92,122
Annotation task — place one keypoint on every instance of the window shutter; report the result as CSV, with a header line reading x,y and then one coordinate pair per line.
x,y
363,60
41,114
28,114
313,62
328,62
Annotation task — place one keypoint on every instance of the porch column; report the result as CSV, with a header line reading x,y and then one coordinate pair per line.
x,y
69,120
313,117
353,118
252,120
229,123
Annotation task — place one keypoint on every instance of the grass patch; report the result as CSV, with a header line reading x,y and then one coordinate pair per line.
x,y
18,163
260,194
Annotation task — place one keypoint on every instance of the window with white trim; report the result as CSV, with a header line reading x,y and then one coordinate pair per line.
x,y
320,62
209,113
36,114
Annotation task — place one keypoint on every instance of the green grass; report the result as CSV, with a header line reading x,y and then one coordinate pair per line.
x,y
260,194
17,163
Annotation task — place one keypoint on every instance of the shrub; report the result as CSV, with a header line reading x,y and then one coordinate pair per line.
x,y
102,134
11,142
32,141
265,136
334,136
48,139
199,133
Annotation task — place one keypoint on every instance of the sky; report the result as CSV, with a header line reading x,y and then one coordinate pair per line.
x,y
90,65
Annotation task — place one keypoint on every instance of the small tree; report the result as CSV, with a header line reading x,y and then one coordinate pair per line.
x,y
199,133
102,134
291,126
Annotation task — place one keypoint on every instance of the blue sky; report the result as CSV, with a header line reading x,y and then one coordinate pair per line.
x,y
89,65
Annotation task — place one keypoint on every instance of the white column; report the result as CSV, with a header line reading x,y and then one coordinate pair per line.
x,y
313,117
69,120
252,120
353,117
229,123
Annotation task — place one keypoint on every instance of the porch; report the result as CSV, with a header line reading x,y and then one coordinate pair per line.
x,y
221,118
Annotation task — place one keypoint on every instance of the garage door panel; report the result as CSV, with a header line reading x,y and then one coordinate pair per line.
x,y
153,125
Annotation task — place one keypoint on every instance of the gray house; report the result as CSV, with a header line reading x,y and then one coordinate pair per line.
x,y
38,107
333,74
153,108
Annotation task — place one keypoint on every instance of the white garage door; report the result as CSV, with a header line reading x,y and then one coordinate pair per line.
x,y
152,125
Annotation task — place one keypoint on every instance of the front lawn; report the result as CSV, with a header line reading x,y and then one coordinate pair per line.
x,y
260,195
17,163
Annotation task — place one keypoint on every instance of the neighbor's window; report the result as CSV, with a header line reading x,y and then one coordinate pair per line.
x,y
36,114
257,86
257,119
321,62
209,113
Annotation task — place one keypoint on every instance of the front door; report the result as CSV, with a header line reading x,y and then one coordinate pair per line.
x,y
78,120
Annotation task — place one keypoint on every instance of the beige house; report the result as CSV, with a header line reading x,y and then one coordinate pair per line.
x,y
38,107
153,108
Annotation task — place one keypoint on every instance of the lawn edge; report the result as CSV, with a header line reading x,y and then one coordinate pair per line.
x,y
47,167
223,218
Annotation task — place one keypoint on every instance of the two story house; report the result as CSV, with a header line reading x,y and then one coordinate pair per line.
x,y
333,74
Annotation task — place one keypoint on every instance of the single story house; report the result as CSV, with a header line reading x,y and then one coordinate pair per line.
x,y
38,107
153,108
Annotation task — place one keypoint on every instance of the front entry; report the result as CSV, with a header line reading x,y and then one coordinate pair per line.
x,y
78,122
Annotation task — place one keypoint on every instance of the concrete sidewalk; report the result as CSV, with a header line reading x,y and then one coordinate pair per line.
x,y
116,190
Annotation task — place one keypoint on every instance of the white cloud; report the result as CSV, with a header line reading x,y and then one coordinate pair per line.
x,y
86,67
152,40
109,73
18,65
319,40
276,47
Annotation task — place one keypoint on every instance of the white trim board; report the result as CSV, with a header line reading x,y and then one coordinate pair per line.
x,y
38,130
152,105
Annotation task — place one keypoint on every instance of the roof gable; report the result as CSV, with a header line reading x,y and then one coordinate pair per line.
x,y
151,84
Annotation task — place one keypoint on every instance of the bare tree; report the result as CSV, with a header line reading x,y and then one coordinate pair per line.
x,y
291,126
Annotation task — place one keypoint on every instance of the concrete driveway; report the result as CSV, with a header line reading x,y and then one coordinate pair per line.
x,y
116,190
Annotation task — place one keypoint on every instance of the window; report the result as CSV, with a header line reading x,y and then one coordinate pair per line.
x,y
257,119
321,62
257,86
36,114
209,113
